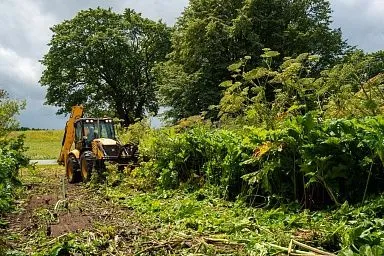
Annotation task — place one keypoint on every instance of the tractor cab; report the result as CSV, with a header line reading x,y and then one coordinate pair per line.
x,y
89,129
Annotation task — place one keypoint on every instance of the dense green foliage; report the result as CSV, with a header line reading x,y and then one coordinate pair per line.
x,y
280,138
11,150
8,110
103,60
354,88
311,162
267,96
11,160
212,34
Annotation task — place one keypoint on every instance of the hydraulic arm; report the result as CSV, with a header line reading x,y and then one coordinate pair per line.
x,y
69,134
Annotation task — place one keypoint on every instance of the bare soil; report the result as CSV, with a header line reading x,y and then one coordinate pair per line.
x,y
48,210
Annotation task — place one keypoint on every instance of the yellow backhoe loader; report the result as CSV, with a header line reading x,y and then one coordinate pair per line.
x,y
95,143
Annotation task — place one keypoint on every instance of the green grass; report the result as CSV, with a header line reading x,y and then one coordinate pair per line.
x,y
42,144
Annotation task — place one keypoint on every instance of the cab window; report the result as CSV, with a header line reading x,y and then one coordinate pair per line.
x,y
78,131
90,131
107,130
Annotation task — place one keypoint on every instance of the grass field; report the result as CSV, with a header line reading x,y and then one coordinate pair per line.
x,y
42,144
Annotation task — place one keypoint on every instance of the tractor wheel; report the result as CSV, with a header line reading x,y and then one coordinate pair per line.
x,y
86,166
71,167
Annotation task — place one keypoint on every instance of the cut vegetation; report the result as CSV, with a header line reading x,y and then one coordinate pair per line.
x,y
118,218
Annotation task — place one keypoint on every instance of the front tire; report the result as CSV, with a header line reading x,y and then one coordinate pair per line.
x,y
86,168
71,168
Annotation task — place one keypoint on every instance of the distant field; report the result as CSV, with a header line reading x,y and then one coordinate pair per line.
x,y
42,144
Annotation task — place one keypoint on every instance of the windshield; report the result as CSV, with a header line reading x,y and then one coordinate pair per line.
x,y
106,129
101,129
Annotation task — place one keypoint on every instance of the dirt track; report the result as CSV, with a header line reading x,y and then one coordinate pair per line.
x,y
44,213
43,162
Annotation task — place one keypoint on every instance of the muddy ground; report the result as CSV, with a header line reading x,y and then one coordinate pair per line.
x,y
49,208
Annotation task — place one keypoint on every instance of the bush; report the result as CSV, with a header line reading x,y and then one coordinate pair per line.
x,y
11,159
319,163
135,132
195,156
312,162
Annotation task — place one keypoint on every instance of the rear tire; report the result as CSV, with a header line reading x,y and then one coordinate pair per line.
x,y
86,166
71,169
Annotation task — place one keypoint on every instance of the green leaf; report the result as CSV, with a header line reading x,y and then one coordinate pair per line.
x,y
235,67
256,73
270,54
365,250
226,84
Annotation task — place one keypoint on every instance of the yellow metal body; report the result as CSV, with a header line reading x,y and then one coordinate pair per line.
x,y
96,149
75,152
69,135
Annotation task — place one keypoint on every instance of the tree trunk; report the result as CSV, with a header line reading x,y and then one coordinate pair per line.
x,y
124,115
127,120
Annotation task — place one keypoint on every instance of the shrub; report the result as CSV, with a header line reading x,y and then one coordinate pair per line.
x,y
306,160
11,159
196,156
321,162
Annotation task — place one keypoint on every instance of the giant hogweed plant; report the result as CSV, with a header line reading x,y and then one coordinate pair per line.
x,y
317,163
195,157
266,95
355,88
312,162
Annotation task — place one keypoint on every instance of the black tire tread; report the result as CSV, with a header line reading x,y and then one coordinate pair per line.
x,y
89,168
76,175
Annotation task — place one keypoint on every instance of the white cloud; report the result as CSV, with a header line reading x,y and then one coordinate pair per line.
x,y
21,68
25,28
361,22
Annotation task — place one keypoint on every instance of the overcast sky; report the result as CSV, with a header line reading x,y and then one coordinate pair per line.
x,y
24,34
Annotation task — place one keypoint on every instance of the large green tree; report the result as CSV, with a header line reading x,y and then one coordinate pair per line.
x,y
103,60
212,34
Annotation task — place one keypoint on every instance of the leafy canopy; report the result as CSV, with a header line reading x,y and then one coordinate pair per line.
x,y
103,60
212,34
